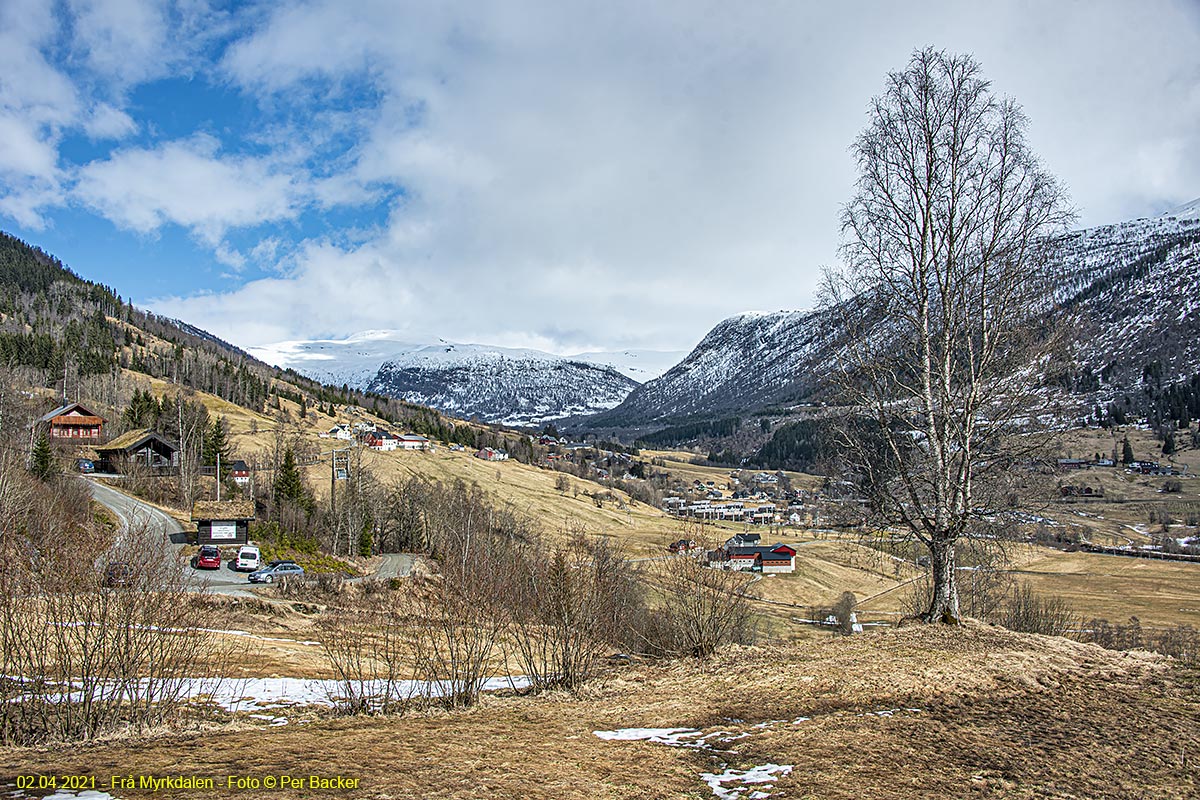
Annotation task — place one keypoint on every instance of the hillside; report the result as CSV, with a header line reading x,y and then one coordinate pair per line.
x,y
903,713
1126,292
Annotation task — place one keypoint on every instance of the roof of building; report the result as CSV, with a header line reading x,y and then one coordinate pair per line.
x,y
222,509
130,440
412,437
239,466
85,416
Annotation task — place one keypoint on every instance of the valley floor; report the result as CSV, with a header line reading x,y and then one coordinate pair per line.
x,y
907,712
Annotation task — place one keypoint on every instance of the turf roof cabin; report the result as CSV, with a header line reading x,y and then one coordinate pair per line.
x,y
222,522
139,449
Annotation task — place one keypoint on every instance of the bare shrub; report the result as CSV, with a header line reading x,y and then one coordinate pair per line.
x,y
1026,611
702,608
1181,641
367,648
843,612
86,655
570,602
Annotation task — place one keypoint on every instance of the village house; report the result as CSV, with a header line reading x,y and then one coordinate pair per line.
x,y
73,422
223,522
143,447
239,471
411,441
338,432
778,559
491,454
381,440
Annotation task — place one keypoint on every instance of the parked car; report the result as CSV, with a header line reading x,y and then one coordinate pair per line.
x,y
285,569
85,465
209,557
249,559
118,573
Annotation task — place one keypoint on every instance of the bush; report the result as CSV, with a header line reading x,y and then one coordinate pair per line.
x,y
1027,612
1181,642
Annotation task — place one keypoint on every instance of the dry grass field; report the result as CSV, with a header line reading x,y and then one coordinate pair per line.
x,y
903,713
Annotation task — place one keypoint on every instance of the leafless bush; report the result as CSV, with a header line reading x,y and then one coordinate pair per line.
x,y
367,648
570,602
702,608
1026,611
1181,641
843,612
84,658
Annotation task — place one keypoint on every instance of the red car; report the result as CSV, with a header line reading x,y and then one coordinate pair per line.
x,y
209,557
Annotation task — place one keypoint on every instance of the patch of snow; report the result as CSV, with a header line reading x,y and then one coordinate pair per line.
x,y
672,737
764,776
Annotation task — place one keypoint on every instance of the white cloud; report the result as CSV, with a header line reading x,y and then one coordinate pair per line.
x,y
123,40
602,174
188,183
568,176
107,122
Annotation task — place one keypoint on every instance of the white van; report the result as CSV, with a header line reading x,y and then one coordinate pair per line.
x,y
248,559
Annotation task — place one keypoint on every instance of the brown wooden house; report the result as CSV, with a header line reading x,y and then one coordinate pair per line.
x,y
73,423
145,448
222,522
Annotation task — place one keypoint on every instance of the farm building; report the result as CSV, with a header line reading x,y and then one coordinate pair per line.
x,y
240,472
381,440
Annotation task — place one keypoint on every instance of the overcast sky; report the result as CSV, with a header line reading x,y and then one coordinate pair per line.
x,y
561,175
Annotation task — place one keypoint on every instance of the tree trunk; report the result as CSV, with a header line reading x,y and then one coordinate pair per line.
x,y
943,606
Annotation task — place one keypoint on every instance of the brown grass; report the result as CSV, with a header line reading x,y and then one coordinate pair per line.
x,y
1000,714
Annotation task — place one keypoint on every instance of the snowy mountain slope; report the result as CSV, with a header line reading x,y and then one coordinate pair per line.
x,y
496,384
640,365
1131,291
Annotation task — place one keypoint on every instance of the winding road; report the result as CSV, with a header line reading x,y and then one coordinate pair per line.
x,y
131,511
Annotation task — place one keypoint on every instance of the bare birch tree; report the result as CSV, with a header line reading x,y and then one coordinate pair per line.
x,y
945,253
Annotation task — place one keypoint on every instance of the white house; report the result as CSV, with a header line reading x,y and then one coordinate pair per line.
x,y
411,441
338,432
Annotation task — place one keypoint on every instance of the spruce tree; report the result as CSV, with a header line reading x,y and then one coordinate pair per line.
x,y
42,464
217,443
1126,452
289,485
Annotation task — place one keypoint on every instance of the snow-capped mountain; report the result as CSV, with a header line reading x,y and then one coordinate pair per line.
x,y
496,384
1132,290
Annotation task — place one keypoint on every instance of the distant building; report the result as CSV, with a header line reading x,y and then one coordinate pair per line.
x,y
491,454
381,440
338,432
240,472
73,422
411,441
780,558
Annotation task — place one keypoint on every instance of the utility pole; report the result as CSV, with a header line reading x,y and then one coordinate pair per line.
x,y
218,476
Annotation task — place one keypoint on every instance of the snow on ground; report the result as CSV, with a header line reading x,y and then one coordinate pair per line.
x,y
763,776
258,694
752,783
59,794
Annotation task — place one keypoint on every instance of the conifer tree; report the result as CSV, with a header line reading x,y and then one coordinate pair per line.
x,y
42,464
1126,452
289,484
